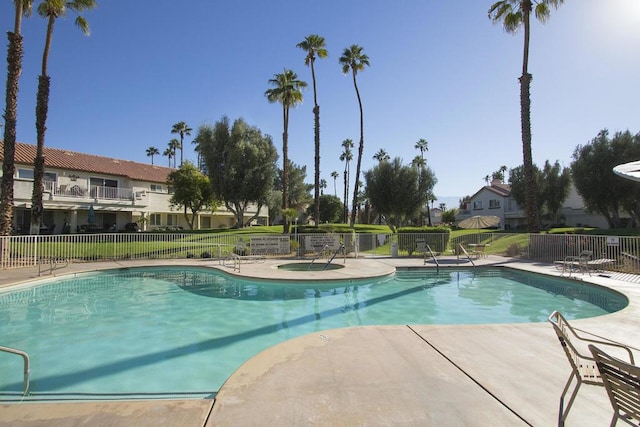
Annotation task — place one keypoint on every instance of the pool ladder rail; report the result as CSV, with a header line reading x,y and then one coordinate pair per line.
x,y
341,248
432,256
318,255
464,251
53,263
25,358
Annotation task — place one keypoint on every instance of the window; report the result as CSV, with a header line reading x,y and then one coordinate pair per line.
x,y
493,204
49,176
154,219
172,219
156,187
25,173
205,222
477,205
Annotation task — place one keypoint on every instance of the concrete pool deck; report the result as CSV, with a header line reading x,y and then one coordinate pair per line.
x,y
462,375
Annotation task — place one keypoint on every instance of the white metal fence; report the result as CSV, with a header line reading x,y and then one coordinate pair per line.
x,y
25,251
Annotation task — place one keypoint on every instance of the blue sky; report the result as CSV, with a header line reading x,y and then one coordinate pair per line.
x,y
440,70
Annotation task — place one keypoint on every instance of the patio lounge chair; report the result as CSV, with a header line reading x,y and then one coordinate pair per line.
x,y
575,263
583,365
622,382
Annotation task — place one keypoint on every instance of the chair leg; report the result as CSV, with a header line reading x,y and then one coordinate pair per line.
x,y
564,412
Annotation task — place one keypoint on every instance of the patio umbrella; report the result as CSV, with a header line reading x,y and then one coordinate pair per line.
x,y
628,170
92,215
480,221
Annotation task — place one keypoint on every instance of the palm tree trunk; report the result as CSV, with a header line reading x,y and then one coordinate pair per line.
x,y
42,107
14,69
316,129
359,163
345,211
525,122
285,167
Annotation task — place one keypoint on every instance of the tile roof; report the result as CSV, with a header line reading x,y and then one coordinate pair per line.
x,y
71,160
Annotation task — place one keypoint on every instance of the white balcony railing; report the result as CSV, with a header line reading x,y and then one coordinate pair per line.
x,y
77,191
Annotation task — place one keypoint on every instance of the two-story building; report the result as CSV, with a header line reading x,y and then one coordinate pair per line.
x,y
495,199
84,192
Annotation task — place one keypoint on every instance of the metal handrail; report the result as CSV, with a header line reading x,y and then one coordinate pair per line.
x,y
333,256
53,263
25,358
466,253
432,256
318,255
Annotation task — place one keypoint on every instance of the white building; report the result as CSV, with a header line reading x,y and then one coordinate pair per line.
x,y
84,192
495,199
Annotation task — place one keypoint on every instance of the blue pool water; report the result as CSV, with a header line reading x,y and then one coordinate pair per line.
x,y
167,332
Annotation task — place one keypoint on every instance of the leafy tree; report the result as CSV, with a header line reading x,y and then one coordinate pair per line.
x,y
182,129
287,91
355,60
14,69
449,216
346,157
513,14
191,191
314,46
50,10
602,191
397,191
299,192
330,209
552,188
152,151
335,176
242,165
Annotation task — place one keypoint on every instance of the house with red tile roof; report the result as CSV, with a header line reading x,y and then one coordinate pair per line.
x,y
495,199
84,192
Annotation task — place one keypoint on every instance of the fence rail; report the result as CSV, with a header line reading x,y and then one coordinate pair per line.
x,y
29,251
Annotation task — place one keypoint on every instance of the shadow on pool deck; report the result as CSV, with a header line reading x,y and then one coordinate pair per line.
x,y
466,375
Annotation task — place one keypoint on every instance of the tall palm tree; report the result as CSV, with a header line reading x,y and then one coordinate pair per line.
x,y
355,60
152,151
314,46
346,157
50,10
182,129
513,14
14,69
287,91
169,154
423,146
381,155
174,145
335,176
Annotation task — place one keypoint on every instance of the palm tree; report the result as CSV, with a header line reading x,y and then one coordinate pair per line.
x,y
287,91
335,176
346,157
353,59
50,10
169,154
152,151
513,14
381,155
422,145
323,185
314,46
182,129
174,145
14,69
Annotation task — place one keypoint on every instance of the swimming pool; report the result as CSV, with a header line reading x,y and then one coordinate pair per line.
x,y
180,332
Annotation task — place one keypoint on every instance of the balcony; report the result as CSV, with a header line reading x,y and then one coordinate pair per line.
x,y
109,194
